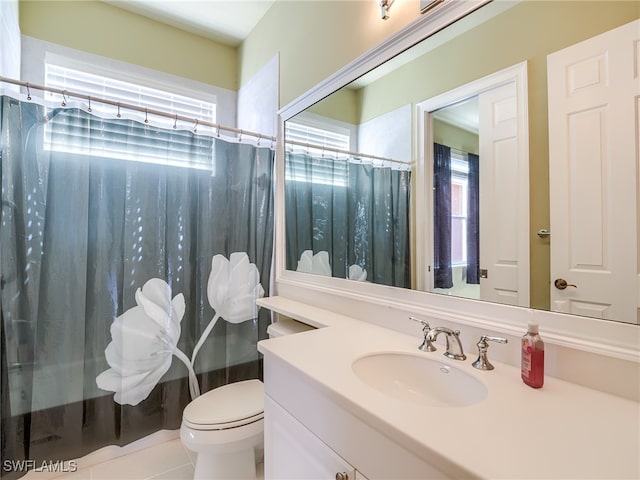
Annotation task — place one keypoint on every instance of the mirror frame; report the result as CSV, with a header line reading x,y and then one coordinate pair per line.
x,y
604,337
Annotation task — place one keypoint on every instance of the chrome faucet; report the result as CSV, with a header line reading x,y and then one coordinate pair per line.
x,y
454,348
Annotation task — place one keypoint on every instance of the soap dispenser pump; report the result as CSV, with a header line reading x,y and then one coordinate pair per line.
x,y
532,367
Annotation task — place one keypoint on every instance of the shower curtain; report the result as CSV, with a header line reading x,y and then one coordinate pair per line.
x,y
92,209
357,212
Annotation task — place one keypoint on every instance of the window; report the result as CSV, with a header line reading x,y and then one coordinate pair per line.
x,y
328,171
68,133
459,202
323,137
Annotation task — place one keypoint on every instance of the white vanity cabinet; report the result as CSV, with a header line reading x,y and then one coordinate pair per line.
x,y
310,436
311,377
292,452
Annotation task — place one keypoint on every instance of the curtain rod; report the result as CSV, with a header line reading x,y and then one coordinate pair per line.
x,y
345,152
176,117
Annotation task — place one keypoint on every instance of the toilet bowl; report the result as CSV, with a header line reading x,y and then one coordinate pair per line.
x,y
225,426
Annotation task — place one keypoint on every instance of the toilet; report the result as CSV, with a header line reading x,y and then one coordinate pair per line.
x,y
225,426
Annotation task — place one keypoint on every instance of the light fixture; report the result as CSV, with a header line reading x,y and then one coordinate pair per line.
x,y
384,8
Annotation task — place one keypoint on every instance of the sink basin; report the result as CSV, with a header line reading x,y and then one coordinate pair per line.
x,y
419,379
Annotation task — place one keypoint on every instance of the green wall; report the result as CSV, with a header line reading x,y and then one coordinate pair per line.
x,y
342,105
331,34
528,31
446,134
314,39
102,29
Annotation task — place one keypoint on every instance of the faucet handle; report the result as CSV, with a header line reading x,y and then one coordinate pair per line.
x,y
426,345
482,363
425,324
485,338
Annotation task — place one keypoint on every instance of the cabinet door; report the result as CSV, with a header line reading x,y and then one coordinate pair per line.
x,y
293,452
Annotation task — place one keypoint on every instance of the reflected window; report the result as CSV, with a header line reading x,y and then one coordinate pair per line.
x,y
459,202
320,163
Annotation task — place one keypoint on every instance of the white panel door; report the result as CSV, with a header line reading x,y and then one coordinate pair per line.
x,y
594,90
499,234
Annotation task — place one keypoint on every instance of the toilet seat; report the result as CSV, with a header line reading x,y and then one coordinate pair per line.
x,y
230,406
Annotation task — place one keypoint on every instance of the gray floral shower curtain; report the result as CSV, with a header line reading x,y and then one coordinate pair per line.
x,y
357,212
91,210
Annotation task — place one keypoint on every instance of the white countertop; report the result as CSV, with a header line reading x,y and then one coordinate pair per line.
x,y
558,432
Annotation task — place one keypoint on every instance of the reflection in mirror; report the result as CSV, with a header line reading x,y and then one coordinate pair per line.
x,y
479,247
376,116
456,219
347,214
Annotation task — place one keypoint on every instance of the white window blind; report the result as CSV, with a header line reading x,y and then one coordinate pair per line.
x,y
130,140
327,169
321,137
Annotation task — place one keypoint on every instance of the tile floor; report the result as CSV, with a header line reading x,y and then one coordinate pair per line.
x,y
168,460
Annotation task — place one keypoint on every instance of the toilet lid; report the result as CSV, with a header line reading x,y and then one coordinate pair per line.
x,y
229,406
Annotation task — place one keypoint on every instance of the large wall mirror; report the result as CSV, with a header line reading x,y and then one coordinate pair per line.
x,y
496,160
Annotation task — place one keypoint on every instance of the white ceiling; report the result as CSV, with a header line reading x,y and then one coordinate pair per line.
x,y
464,115
226,21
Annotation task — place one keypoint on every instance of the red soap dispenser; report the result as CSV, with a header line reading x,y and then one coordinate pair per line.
x,y
532,367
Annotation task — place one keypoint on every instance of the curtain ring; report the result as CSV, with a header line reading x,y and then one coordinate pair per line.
x,y
258,142
64,98
240,136
89,109
118,115
218,130
28,92
195,127
175,122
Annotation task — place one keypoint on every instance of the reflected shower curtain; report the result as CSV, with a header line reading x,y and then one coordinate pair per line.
x,y
91,210
357,212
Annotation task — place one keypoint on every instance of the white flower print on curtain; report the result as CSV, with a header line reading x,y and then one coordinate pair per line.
x,y
144,340
145,337
233,288
318,263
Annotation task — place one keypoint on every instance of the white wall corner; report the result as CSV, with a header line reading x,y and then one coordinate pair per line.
x,y
258,100
10,45
388,135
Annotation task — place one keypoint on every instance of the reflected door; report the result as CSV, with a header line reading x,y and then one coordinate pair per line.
x,y
594,93
501,259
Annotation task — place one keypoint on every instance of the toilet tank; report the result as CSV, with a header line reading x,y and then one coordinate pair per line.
x,y
287,326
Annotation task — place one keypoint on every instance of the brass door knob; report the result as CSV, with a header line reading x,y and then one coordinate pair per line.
x,y
561,284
